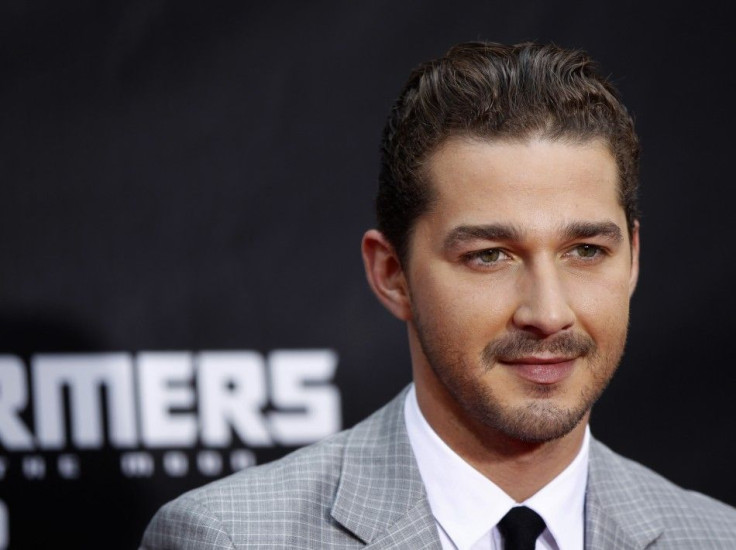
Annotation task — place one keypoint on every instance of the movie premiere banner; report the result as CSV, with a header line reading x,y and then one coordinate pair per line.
x,y
152,417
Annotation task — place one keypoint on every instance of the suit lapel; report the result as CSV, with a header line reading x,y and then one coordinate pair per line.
x,y
381,498
415,529
616,515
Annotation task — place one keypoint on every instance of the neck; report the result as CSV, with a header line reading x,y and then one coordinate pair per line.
x,y
519,468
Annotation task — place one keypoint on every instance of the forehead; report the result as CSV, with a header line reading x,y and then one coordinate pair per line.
x,y
536,183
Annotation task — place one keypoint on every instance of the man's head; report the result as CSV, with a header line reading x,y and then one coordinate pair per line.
x,y
508,238
496,92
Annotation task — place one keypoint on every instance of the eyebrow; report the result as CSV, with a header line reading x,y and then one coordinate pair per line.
x,y
586,230
490,232
502,232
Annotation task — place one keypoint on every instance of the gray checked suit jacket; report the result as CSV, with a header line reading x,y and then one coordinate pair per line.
x,y
361,489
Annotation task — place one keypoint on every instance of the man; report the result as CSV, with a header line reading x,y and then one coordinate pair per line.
x,y
508,242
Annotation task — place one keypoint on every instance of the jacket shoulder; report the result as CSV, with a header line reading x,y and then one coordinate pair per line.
x,y
634,493
286,503
255,506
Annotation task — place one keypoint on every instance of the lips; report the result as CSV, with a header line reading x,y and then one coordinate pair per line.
x,y
541,370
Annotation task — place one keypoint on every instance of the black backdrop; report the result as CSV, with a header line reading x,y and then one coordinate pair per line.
x,y
180,176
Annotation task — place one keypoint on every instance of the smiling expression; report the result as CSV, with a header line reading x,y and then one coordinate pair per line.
x,y
518,280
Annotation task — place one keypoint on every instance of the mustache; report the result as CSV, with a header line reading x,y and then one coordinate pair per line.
x,y
521,344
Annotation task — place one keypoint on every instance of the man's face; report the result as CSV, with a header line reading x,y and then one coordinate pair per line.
x,y
519,278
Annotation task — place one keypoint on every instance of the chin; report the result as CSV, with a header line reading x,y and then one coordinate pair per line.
x,y
536,422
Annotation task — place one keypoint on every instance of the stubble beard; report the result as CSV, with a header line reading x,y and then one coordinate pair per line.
x,y
538,420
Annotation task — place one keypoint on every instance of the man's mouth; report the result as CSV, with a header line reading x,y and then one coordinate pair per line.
x,y
541,369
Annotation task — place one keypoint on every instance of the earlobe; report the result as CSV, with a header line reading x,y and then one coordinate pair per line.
x,y
385,274
635,248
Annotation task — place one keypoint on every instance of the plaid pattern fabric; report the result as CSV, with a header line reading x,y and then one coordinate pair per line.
x,y
630,506
361,489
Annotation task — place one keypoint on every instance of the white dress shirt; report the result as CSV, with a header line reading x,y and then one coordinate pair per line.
x,y
468,506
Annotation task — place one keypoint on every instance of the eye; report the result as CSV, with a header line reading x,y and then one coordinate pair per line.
x,y
490,257
587,251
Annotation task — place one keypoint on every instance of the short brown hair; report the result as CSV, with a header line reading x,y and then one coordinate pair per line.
x,y
494,91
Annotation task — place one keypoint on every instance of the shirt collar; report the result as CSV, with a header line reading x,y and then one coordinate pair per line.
x,y
561,502
467,505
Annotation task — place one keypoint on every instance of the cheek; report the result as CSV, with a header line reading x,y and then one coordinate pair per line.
x,y
473,307
602,309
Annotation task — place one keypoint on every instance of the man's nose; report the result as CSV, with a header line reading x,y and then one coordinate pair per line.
x,y
543,304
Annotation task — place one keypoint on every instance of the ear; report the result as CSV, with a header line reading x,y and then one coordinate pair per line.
x,y
635,247
385,274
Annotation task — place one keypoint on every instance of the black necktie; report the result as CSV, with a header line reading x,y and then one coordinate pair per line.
x,y
520,528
